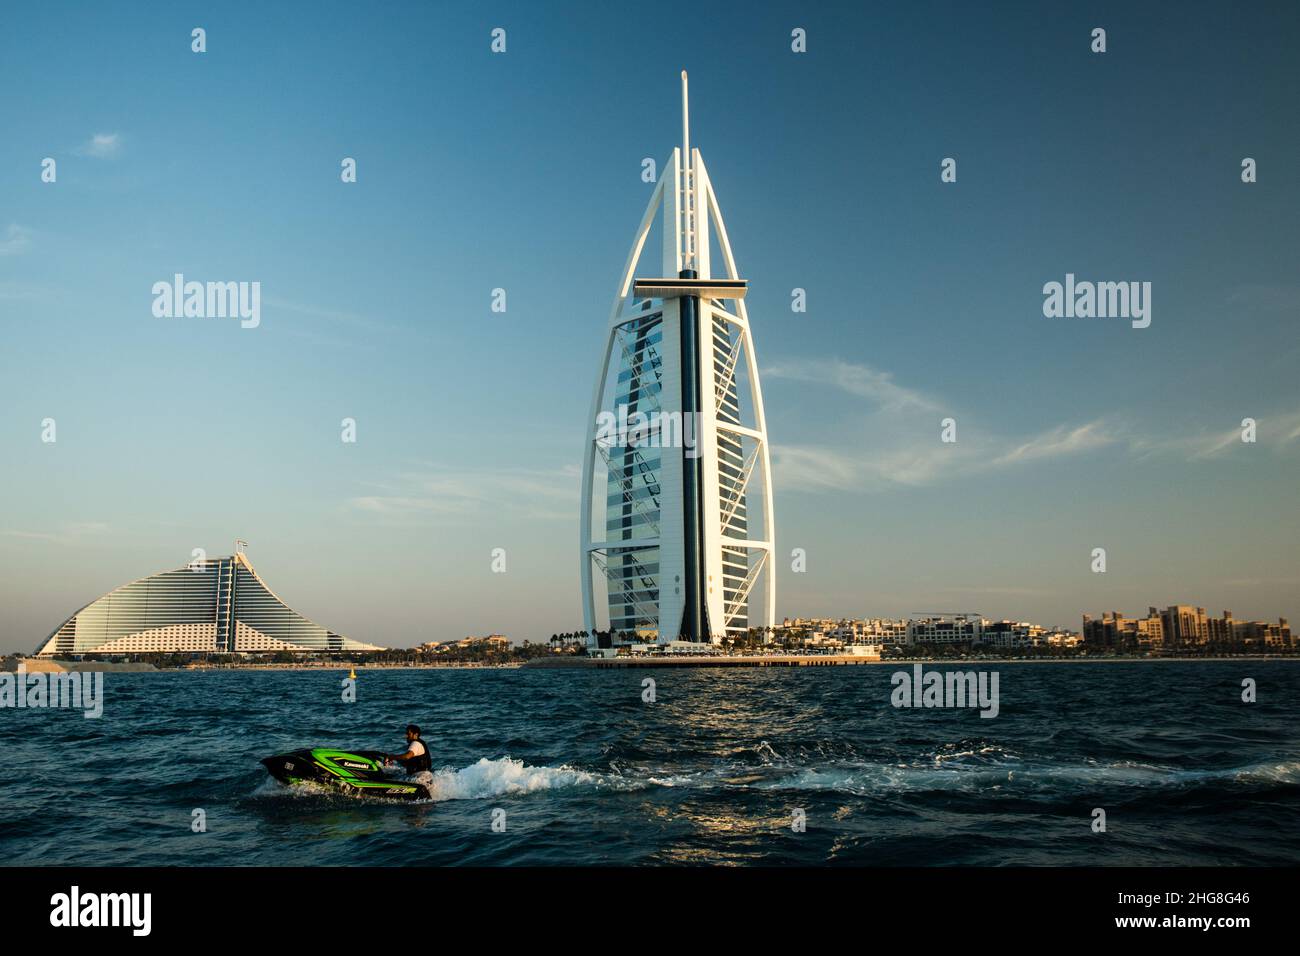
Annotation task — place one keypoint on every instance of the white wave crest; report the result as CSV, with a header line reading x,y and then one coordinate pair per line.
x,y
961,774
1286,771
491,778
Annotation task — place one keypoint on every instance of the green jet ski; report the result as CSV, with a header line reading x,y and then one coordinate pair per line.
x,y
358,773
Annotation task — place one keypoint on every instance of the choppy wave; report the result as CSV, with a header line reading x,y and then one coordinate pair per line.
x,y
967,767
958,772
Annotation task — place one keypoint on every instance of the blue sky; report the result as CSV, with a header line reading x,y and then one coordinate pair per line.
x,y
522,170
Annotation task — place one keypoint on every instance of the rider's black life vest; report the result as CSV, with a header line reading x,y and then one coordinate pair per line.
x,y
419,763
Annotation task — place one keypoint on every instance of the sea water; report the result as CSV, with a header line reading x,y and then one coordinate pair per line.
x,y
749,766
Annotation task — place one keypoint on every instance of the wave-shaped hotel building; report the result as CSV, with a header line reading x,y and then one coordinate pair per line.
x,y
666,513
216,606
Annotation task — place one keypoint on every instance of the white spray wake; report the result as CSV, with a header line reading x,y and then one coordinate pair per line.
x,y
974,769
958,775
491,778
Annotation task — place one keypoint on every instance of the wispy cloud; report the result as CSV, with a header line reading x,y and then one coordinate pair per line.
x,y
323,318
1059,441
17,239
441,494
1277,431
331,315
70,532
897,444
101,146
826,468
923,461
17,291
876,386
998,591
1262,582
1266,297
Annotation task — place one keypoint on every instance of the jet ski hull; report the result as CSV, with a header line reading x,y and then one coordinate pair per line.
x,y
357,773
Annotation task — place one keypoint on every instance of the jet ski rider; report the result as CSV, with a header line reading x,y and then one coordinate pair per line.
x,y
416,761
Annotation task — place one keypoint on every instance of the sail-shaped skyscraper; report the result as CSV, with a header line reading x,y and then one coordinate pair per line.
x,y
677,520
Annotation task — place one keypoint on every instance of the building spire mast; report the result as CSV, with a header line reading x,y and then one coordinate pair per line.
x,y
686,119
688,183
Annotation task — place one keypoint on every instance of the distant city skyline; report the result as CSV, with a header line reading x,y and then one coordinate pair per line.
x,y
167,611
925,302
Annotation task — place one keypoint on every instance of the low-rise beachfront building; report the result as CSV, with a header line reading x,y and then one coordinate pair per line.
x,y
959,630
1009,634
944,630
843,635
870,631
1058,638
493,642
